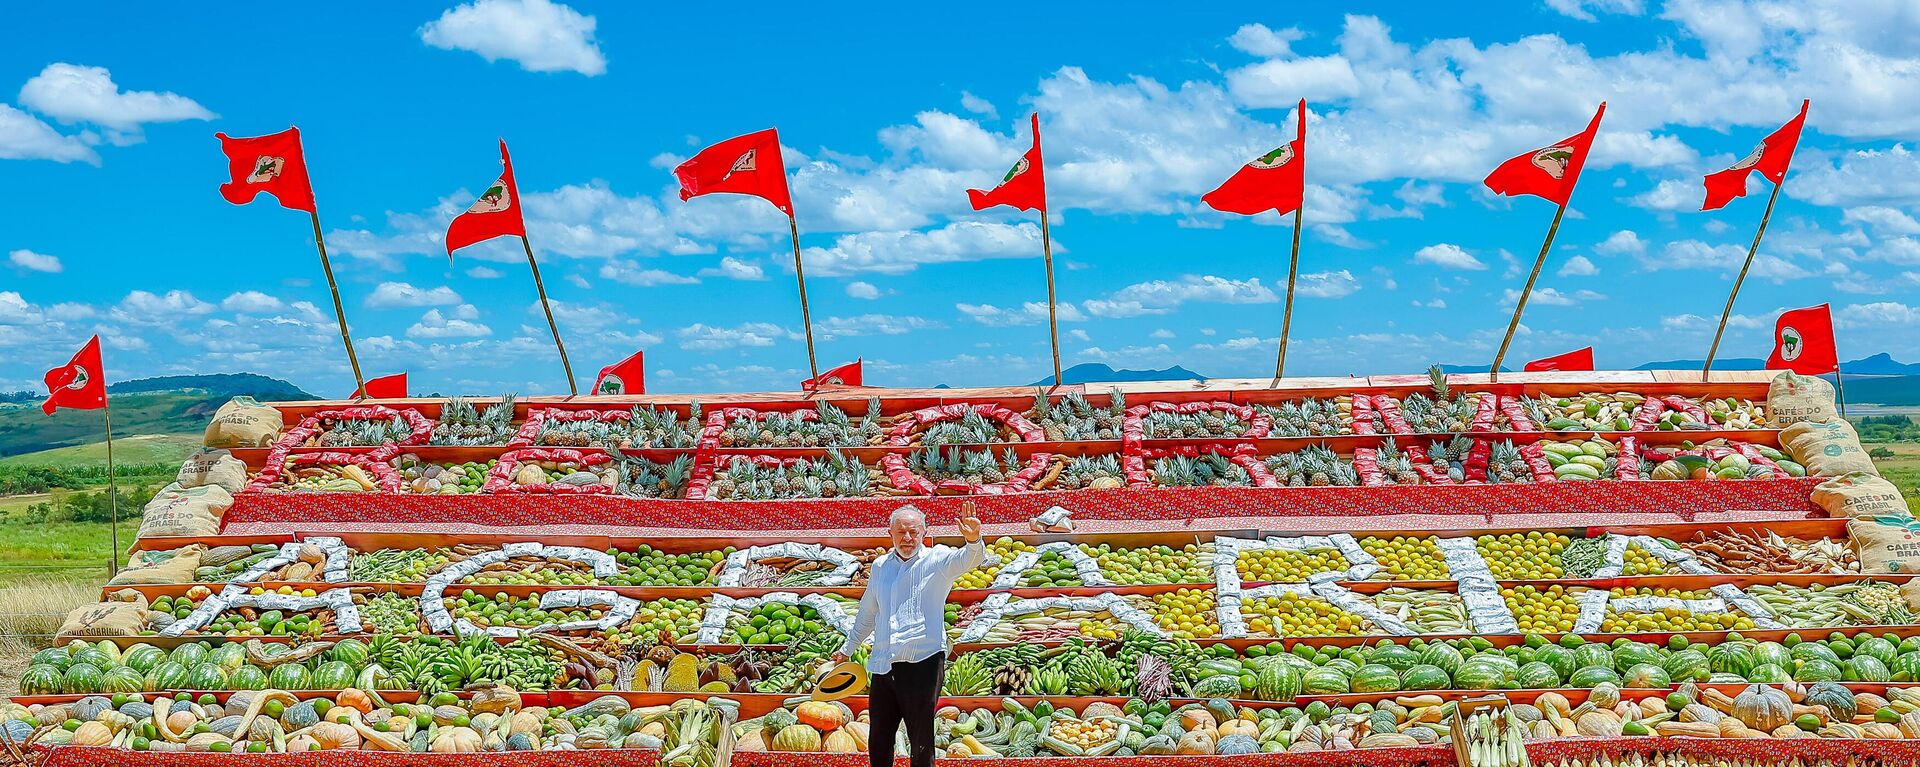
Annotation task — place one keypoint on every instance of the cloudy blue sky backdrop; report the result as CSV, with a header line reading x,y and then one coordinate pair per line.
x,y
110,221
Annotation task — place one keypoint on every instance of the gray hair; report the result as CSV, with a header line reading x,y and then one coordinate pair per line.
x,y
905,512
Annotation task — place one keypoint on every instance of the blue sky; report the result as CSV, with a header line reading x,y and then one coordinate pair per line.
x,y
113,225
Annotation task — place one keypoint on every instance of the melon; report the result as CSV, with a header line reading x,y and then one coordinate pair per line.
x,y
1396,657
1538,675
1592,654
1906,668
206,676
1560,659
1774,653
332,675
81,679
41,679
190,654
229,656
1817,670
247,678
56,657
1591,676
1442,656
1324,681
1630,654
1688,664
1731,658
122,679
352,652
1864,668
1424,677
169,675
1645,676
289,676
1814,651
1767,673
143,657
1375,677
1277,681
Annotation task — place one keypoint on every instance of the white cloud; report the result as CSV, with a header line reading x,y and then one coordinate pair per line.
x,y
252,301
78,94
1876,315
629,273
1258,40
1448,256
435,325
735,269
1578,266
872,324
1584,9
1670,196
1869,176
1621,243
1079,334
393,295
1164,296
1338,284
1882,219
1901,250
1550,297
862,290
704,337
14,309
541,36
483,273
1161,333
1726,257
35,262
1697,323
1438,303
143,308
900,252
978,105
25,137
1029,313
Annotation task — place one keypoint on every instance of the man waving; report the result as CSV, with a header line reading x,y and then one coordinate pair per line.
x,y
904,609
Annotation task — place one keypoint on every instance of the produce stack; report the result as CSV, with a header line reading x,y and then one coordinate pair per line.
x,y
1494,646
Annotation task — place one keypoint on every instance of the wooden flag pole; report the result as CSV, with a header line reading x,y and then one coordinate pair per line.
x,y
113,496
1727,313
1053,323
541,286
1286,316
806,314
1519,308
339,313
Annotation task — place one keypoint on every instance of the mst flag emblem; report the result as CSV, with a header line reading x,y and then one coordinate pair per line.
x,y
497,198
1025,185
1274,159
744,164
1791,343
1018,168
612,385
77,384
1554,159
1752,158
266,169
1803,342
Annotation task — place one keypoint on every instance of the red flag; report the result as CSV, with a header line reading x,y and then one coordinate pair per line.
x,y
1548,172
747,164
385,387
1771,158
273,164
1274,181
845,375
628,376
80,384
1578,359
1024,187
495,214
1803,342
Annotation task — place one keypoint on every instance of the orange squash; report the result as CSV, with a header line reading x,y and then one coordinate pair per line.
x,y
820,715
355,699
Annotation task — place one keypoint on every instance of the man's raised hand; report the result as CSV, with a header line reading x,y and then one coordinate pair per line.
x,y
969,521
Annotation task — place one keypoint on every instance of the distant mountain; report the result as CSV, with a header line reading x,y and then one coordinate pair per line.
x,y
1883,390
1472,368
165,405
1882,364
1094,372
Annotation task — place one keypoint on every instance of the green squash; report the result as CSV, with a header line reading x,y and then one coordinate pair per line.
x,y
1836,697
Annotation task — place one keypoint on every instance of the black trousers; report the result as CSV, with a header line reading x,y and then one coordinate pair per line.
x,y
909,692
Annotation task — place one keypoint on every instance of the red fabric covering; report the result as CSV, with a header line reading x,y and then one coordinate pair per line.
x,y
1312,507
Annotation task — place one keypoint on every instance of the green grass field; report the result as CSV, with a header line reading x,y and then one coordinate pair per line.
x,y
143,449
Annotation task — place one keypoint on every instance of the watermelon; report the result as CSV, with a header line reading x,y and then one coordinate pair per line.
x,y
1906,668
1814,651
82,678
335,675
143,657
1592,654
1817,671
1767,673
1560,659
1480,676
1590,676
207,676
1375,677
1864,668
1731,658
1878,649
1630,654
293,676
122,679
1342,665
169,675
247,678
1324,681
56,657
352,652
228,656
1538,675
1687,664
1276,681
94,657
1424,677
41,679
1774,653
190,654
1216,686
1645,676
1444,657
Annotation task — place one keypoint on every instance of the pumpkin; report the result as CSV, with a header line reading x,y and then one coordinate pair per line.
x,y
332,735
1236,745
1197,742
456,740
1909,724
204,741
820,715
1238,727
1555,701
1880,730
1604,695
1157,745
1695,712
1600,723
1763,708
302,743
1732,728
1196,719
494,698
1836,697
355,699
858,730
839,742
798,738
92,734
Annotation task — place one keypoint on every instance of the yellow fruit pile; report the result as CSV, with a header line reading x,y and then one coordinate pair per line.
x,y
1294,615
1537,610
1532,555
1670,619
1638,562
981,577
1284,566
1186,613
1407,558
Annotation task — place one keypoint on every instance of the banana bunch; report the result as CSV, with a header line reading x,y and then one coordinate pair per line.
x,y
1050,681
1424,610
968,675
1496,739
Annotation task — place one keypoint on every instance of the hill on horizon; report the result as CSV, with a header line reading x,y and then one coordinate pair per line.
x,y
145,406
